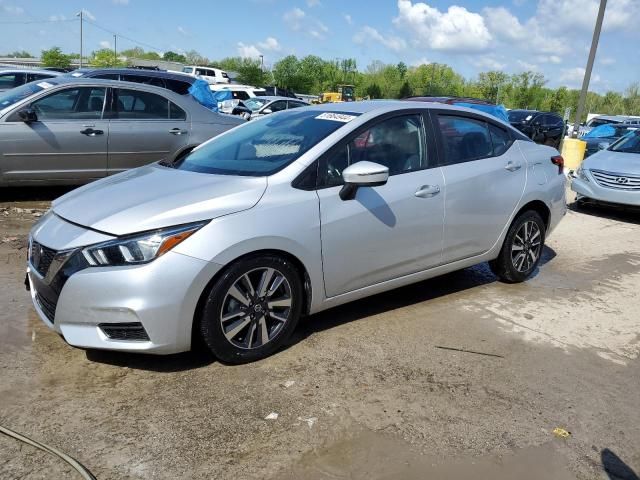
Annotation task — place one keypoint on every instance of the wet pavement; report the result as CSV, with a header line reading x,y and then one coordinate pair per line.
x,y
456,377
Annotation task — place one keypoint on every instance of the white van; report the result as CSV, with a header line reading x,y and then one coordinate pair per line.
x,y
211,75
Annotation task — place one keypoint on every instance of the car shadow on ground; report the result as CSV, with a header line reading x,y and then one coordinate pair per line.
x,y
614,466
32,194
611,212
433,288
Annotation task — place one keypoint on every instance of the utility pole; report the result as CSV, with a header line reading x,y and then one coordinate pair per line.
x,y
262,63
115,49
80,15
587,73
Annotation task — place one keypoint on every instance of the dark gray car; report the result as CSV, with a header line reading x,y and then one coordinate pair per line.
x,y
67,131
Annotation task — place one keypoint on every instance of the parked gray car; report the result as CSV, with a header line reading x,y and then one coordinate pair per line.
x,y
611,175
15,77
260,106
65,131
287,215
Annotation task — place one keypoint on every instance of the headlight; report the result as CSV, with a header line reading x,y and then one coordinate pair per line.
x,y
140,248
580,173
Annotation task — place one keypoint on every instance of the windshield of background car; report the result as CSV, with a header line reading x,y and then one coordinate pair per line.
x,y
14,95
265,146
255,104
519,116
630,143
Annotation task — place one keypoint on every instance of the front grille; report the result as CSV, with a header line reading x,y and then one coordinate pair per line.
x,y
41,257
48,307
618,181
124,331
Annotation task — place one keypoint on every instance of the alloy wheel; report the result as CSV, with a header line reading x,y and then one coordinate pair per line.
x,y
526,246
256,308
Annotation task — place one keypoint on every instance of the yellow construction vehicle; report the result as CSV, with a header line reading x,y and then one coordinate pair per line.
x,y
345,93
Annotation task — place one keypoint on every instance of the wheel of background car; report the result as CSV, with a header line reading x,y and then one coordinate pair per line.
x,y
522,248
252,309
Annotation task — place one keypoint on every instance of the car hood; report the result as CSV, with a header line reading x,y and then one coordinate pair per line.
x,y
616,162
154,197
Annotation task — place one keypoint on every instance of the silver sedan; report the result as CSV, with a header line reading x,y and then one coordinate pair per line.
x,y
66,131
288,215
611,175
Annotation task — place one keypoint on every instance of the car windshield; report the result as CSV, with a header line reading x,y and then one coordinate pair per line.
x,y
14,95
519,116
255,104
630,143
262,147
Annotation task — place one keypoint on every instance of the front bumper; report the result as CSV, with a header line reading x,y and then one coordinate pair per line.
x,y
596,192
162,296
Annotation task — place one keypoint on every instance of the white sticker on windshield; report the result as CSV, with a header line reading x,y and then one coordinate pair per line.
x,y
529,117
76,74
337,117
45,85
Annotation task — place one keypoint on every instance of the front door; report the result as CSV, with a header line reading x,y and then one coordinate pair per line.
x,y
485,178
67,143
146,128
387,231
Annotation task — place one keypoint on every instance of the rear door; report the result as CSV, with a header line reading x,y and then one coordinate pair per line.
x,y
68,142
485,178
145,127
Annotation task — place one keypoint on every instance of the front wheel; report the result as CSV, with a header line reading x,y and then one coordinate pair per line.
x,y
522,248
252,309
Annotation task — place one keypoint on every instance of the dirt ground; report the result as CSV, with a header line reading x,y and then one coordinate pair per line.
x,y
456,377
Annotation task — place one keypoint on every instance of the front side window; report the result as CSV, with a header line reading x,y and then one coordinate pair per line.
x,y
264,146
397,143
630,143
297,104
139,105
464,139
84,103
11,80
255,104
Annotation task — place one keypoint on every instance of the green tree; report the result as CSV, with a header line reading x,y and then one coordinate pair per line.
x,y
402,69
105,58
374,91
194,58
285,73
55,58
174,57
490,84
405,90
19,54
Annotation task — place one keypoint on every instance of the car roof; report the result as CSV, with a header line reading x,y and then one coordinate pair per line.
x,y
89,72
53,73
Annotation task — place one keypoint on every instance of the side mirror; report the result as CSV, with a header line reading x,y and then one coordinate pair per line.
x,y
267,110
603,145
28,115
362,174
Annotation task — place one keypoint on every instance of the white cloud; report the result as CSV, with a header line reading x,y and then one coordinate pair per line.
x,y
248,51
319,30
555,59
528,66
57,18
565,15
105,44
457,29
121,2
573,77
270,44
420,61
293,18
607,61
183,31
13,10
348,19
313,3
368,34
488,63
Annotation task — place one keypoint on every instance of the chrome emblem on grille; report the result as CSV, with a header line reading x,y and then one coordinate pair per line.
x,y
622,180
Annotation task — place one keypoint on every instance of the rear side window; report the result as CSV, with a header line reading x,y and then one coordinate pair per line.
x,y
177,86
139,105
176,113
11,80
464,139
108,76
500,139
155,81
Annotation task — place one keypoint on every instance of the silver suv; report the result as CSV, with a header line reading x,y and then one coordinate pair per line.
x,y
288,215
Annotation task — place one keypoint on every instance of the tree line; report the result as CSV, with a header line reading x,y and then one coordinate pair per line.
x,y
314,75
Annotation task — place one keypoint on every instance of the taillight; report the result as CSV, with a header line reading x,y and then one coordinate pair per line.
x,y
559,162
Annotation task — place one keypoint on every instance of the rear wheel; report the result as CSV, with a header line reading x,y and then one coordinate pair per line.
x,y
520,253
252,309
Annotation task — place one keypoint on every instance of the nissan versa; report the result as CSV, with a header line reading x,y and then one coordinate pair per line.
x,y
289,215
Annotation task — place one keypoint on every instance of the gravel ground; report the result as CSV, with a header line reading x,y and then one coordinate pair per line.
x,y
455,377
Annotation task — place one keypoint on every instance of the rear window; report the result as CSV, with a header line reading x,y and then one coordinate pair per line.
x,y
520,116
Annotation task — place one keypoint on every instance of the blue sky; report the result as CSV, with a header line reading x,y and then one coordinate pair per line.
x,y
549,36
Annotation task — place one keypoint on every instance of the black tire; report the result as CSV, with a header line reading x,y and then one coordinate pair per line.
x,y
241,347
510,266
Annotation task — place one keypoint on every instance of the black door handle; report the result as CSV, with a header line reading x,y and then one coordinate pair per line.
x,y
90,132
177,131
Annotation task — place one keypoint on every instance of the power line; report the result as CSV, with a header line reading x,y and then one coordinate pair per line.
x,y
123,36
27,22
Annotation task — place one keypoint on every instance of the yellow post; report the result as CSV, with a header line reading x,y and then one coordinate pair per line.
x,y
573,152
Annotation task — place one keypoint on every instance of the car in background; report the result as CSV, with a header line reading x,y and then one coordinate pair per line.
x,y
607,120
14,77
259,106
176,82
497,111
210,74
545,128
286,216
611,176
601,137
230,96
68,131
